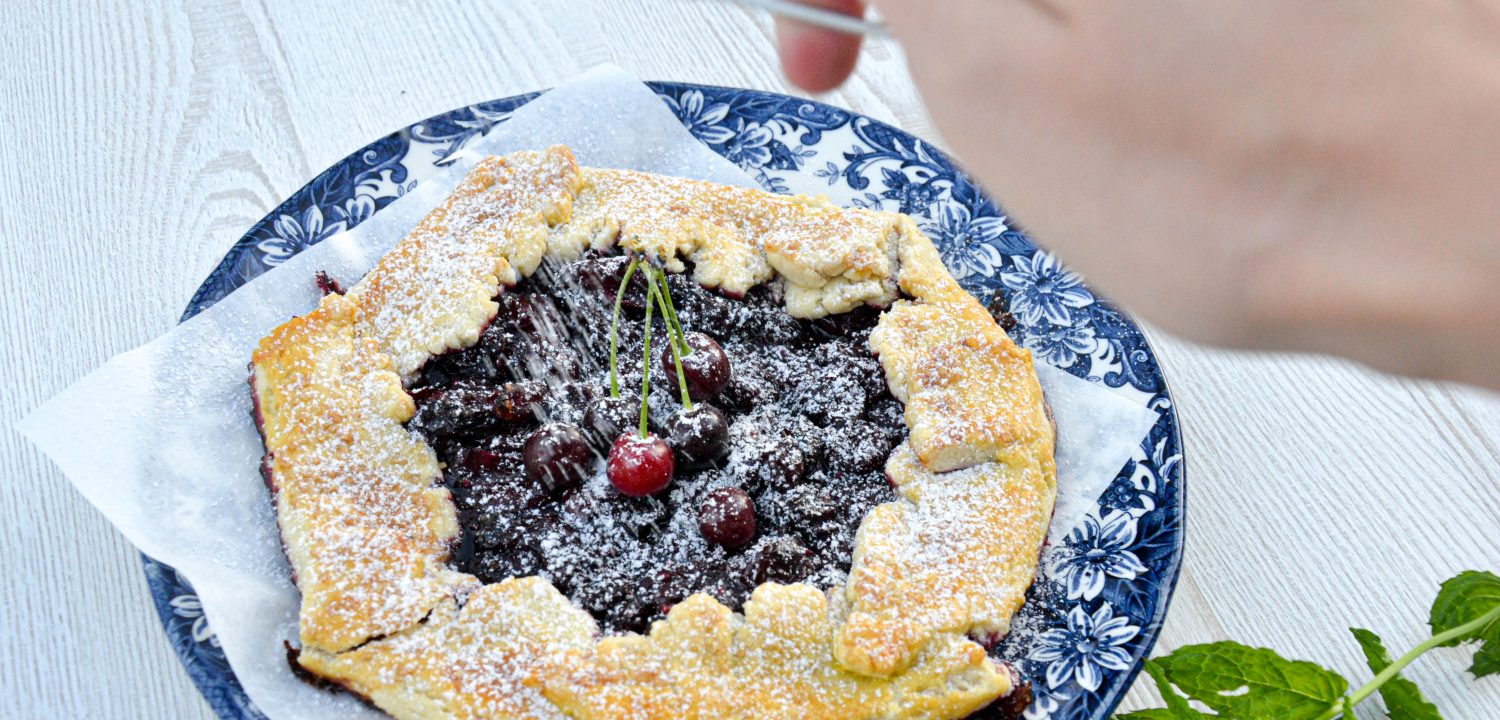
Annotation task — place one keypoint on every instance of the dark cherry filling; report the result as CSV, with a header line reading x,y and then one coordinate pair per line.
x,y
776,464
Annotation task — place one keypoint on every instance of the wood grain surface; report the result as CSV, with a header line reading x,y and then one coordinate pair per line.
x,y
146,136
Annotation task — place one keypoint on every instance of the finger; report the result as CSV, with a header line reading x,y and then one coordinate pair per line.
x,y
816,59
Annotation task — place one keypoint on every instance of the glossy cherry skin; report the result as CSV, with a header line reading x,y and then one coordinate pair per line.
x,y
606,417
557,456
640,466
705,366
605,274
699,435
727,518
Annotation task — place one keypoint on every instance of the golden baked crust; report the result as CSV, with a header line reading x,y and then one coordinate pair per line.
x,y
364,527
485,659
969,391
434,291
954,556
831,259
519,649
367,527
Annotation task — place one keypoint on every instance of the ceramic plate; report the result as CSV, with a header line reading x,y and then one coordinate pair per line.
x,y
1097,606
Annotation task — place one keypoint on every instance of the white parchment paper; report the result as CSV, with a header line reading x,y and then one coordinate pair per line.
x,y
161,440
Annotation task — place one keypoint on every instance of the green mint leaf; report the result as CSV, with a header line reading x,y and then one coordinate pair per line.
x,y
1403,700
1177,705
1156,714
1487,660
1246,682
1464,600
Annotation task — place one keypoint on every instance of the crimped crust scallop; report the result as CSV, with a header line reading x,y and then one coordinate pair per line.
x,y
367,527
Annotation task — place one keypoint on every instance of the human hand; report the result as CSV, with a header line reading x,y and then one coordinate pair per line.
x,y
1276,175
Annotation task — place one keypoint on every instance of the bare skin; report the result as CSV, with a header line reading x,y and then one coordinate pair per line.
x,y
1274,175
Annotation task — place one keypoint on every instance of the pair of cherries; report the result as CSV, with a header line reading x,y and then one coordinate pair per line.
x,y
641,466
559,455
639,462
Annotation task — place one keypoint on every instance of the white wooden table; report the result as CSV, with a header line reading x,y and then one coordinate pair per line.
x,y
146,137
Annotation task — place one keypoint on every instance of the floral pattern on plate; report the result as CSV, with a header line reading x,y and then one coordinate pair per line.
x,y
1100,597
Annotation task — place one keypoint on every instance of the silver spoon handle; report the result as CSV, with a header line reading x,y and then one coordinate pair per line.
x,y
826,19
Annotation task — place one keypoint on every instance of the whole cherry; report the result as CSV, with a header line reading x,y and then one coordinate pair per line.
x,y
606,417
557,455
700,435
640,465
704,366
606,274
727,518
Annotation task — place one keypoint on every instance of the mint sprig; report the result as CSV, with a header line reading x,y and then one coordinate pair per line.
x,y
1471,601
1403,699
1238,682
1177,706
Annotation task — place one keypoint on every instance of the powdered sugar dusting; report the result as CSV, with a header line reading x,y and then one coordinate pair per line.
x,y
957,555
486,659
365,533
812,420
832,259
811,425
432,292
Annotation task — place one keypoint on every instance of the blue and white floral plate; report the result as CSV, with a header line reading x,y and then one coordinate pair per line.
x,y
1099,601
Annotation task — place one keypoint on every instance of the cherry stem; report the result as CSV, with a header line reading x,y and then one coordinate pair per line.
x,y
614,331
646,343
687,400
670,311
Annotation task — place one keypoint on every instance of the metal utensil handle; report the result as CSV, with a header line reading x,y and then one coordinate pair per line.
x,y
826,19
